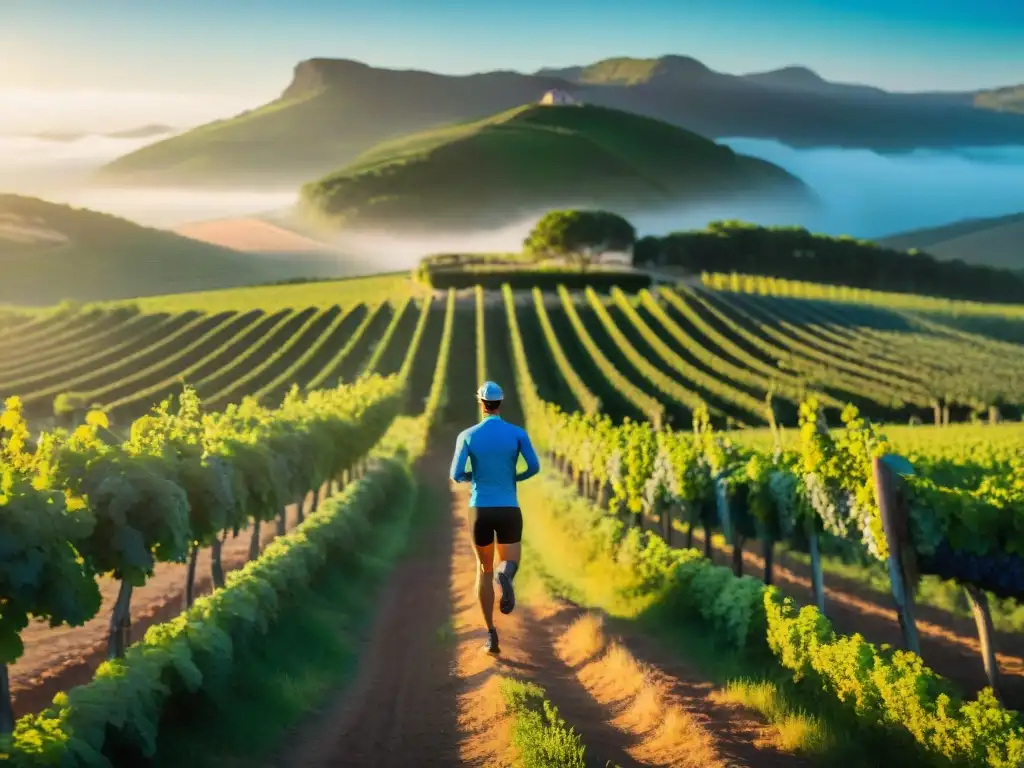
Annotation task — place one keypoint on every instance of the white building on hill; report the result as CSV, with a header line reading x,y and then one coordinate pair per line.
x,y
558,97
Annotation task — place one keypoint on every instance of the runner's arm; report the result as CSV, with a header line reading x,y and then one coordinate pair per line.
x,y
458,471
532,462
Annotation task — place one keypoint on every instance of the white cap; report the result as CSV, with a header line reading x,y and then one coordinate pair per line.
x,y
490,392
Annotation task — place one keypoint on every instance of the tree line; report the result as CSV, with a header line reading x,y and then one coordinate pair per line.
x,y
794,252
584,238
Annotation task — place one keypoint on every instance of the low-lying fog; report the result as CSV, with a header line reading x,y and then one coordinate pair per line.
x,y
864,194
870,195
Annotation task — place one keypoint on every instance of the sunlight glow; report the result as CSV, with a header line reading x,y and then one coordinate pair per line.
x,y
30,110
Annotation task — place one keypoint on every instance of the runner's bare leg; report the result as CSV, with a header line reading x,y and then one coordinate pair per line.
x,y
511,552
485,582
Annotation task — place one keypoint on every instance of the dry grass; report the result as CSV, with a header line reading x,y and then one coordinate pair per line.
x,y
640,700
790,730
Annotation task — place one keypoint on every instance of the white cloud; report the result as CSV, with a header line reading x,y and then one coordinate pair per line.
x,y
25,153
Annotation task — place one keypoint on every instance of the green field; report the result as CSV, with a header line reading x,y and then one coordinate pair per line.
x,y
318,293
668,354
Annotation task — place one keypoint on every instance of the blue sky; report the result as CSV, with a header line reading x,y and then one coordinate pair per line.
x,y
247,48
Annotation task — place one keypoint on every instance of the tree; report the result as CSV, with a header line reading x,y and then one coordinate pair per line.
x,y
647,252
583,236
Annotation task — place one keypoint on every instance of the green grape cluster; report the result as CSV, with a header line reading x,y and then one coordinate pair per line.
x,y
877,686
965,493
893,689
194,651
828,481
79,505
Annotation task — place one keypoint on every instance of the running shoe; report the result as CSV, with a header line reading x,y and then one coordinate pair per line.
x,y
508,595
491,646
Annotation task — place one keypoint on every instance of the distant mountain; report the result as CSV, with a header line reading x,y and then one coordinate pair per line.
x,y
335,109
142,132
51,252
809,81
527,160
626,71
997,242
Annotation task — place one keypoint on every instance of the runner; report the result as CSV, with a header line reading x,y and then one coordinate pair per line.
x,y
493,448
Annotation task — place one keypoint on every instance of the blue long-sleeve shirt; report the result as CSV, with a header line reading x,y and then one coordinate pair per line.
x,y
494,447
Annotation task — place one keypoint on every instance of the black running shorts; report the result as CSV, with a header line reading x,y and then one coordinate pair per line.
x,y
502,523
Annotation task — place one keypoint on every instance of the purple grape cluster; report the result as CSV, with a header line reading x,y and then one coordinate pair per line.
x,y
1001,573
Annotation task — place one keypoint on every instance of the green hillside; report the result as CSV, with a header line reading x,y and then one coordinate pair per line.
x,y
532,158
997,241
50,252
334,109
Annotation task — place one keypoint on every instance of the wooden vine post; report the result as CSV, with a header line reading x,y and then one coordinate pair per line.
x,y
722,505
254,540
768,552
733,537
120,627
665,518
767,531
190,577
902,561
6,711
817,577
216,561
983,619
811,529
737,553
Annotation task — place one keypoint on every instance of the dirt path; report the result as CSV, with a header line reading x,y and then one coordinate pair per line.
x,y
426,693
682,718
399,711
949,644
59,658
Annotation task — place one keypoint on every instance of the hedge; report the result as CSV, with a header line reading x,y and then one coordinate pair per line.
x,y
793,252
518,279
119,712
891,689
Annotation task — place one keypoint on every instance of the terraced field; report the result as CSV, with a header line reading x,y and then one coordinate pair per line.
x,y
591,374
658,354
